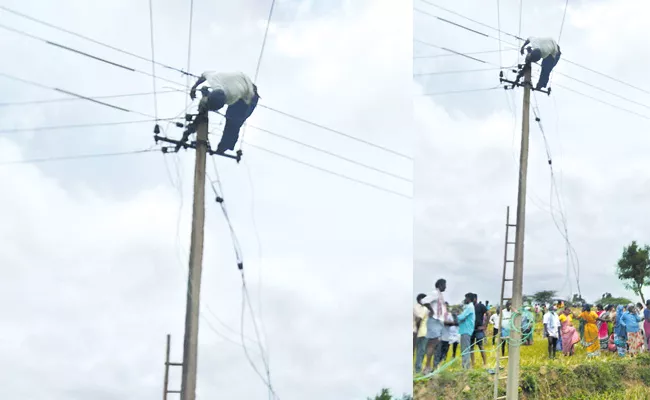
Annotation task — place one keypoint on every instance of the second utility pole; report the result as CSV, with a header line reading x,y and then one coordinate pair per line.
x,y
512,388
191,339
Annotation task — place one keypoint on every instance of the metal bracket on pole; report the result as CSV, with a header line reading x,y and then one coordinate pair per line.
x,y
513,84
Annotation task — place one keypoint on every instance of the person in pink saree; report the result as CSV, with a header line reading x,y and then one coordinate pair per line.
x,y
569,334
603,331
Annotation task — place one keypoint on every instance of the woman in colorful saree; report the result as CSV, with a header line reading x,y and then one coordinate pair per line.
x,y
603,331
569,334
630,320
592,344
646,323
620,335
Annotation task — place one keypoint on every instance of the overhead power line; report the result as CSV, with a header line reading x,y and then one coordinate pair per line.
x,y
386,149
75,126
49,25
65,99
79,96
77,157
330,172
100,59
330,153
461,91
461,71
451,55
470,19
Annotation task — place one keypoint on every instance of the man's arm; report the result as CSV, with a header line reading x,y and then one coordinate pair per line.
x,y
524,45
193,90
463,316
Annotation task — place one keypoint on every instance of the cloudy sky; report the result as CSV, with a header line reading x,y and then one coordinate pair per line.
x,y
94,253
468,145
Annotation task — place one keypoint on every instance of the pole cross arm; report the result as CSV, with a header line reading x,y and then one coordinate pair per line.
x,y
512,84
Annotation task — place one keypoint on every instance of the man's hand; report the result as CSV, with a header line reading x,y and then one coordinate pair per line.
x,y
193,93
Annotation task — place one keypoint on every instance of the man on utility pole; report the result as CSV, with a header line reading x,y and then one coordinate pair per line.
x,y
237,91
512,387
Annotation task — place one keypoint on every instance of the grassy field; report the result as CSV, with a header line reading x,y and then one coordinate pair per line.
x,y
607,377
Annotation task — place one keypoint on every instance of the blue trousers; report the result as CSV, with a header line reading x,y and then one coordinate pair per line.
x,y
236,114
420,350
547,66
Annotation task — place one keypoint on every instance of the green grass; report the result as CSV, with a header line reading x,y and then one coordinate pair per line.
x,y
606,377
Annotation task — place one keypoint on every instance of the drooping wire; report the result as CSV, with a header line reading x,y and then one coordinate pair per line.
x,y
153,62
521,4
245,298
499,26
189,50
571,253
566,5
259,60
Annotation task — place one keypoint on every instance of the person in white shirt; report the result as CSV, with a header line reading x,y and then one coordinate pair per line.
x,y
494,321
505,327
436,320
237,91
551,330
545,49
454,339
420,316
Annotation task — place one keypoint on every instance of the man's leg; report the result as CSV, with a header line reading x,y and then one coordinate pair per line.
x,y
421,349
465,341
236,115
471,347
481,343
441,353
547,66
431,347
454,349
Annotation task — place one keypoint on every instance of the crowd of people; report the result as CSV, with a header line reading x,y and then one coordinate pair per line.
x,y
439,328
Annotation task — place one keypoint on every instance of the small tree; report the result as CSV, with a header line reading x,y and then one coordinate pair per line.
x,y
385,394
606,295
634,268
544,296
614,301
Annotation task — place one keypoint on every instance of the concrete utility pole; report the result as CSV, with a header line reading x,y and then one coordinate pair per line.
x,y
190,344
512,388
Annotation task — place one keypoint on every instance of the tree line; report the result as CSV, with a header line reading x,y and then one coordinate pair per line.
x,y
632,269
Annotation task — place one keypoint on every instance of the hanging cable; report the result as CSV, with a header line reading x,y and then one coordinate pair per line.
x,y
499,26
259,60
153,64
189,51
566,5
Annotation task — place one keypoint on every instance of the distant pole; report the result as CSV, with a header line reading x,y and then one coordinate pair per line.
x,y
512,388
166,384
190,344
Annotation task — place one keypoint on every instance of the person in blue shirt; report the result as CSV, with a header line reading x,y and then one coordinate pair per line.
x,y
466,323
620,336
630,320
